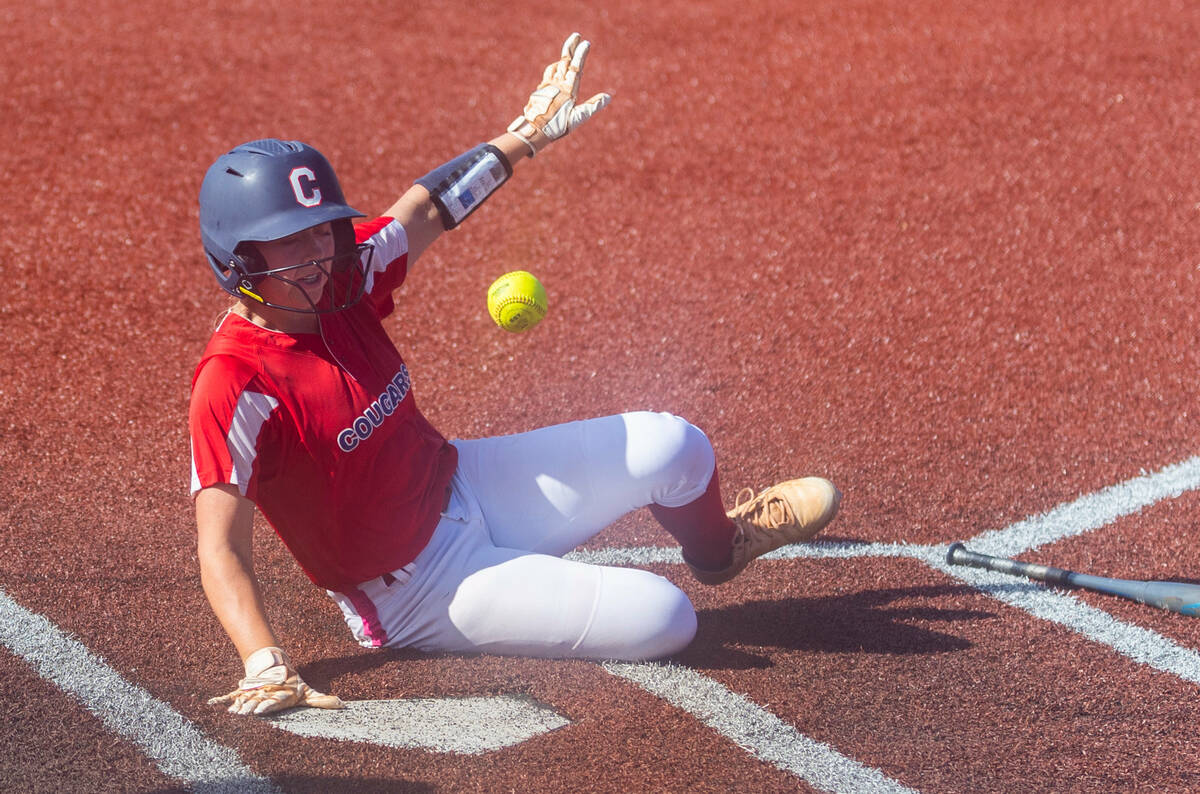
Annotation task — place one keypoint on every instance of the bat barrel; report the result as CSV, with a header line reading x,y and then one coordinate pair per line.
x,y
1173,596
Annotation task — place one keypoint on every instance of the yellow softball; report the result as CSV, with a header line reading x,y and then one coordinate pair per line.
x,y
517,301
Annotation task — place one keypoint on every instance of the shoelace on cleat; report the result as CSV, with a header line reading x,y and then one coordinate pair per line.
x,y
773,513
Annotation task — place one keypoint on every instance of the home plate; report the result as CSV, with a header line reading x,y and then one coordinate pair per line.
x,y
470,725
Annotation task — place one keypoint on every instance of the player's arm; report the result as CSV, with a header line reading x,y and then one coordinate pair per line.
x,y
422,218
225,533
445,196
224,544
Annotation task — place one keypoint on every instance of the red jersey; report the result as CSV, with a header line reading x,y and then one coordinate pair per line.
x,y
324,435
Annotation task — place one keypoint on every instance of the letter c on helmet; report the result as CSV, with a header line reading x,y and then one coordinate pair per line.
x,y
304,185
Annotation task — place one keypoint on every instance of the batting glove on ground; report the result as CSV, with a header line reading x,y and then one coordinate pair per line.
x,y
272,685
552,110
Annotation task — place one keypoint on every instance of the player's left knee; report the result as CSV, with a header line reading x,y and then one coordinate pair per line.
x,y
680,628
669,625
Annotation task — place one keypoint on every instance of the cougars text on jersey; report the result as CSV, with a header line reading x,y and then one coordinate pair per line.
x,y
380,409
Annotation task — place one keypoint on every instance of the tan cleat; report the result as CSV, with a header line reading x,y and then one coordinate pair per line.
x,y
790,512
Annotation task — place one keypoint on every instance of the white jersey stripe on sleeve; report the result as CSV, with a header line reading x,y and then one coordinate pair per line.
x,y
252,412
391,243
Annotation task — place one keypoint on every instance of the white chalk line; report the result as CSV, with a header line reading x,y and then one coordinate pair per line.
x,y
755,729
183,752
178,748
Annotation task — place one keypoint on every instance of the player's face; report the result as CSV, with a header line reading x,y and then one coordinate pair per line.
x,y
300,287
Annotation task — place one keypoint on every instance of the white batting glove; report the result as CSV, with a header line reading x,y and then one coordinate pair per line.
x,y
272,685
552,110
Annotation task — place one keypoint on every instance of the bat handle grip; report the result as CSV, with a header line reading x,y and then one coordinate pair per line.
x,y
958,554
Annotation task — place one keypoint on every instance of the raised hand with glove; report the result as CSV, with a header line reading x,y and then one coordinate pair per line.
x,y
553,109
462,184
272,685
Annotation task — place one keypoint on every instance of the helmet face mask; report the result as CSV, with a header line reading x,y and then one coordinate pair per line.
x,y
269,189
345,280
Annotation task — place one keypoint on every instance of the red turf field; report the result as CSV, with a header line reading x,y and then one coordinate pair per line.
x,y
942,253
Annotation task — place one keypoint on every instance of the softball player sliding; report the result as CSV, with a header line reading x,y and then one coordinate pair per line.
x,y
302,406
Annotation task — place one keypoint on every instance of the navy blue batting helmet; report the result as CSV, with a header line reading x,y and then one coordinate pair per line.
x,y
266,190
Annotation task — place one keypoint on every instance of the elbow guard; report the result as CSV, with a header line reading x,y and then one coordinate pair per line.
x,y
458,187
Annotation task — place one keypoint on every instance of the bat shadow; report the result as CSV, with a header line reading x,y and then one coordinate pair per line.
x,y
875,621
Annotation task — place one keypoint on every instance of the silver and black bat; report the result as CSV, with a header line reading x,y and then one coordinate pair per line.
x,y
1175,596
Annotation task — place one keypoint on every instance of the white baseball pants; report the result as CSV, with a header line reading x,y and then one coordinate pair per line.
x,y
492,579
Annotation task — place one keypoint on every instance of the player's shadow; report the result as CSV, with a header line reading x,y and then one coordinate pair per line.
x,y
863,622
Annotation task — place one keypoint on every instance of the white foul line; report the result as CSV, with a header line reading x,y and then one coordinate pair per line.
x,y
756,729
175,744
1091,511
1140,644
